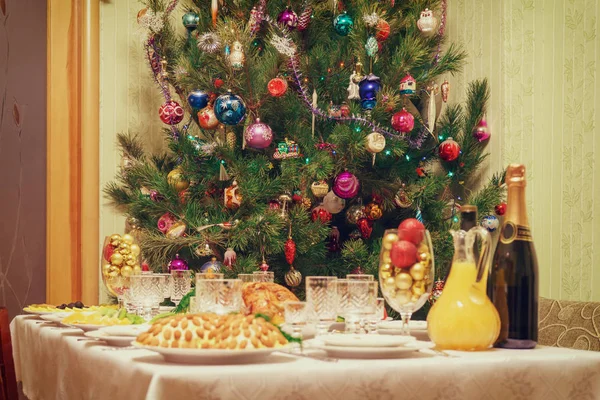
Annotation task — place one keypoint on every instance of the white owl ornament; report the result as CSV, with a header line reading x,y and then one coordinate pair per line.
x,y
427,23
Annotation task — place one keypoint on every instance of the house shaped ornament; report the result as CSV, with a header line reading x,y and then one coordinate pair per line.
x,y
408,85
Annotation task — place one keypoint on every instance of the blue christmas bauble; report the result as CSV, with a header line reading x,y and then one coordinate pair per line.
x,y
490,222
198,99
367,90
343,24
190,20
230,109
211,266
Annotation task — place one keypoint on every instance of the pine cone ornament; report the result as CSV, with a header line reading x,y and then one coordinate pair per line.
x,y
290,250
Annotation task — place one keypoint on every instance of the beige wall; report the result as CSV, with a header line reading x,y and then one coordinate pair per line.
x,y
541,59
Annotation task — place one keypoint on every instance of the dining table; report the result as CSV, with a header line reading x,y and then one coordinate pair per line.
x,y
57,362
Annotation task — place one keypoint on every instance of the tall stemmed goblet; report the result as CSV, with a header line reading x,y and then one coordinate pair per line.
x,y
322,300
407,282
357,301
295,313
181,284
120,259
147,291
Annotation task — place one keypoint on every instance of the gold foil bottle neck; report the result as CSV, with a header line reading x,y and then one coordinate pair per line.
x,y
515,175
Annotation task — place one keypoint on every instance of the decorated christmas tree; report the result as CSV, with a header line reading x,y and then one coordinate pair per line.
x,y
298,133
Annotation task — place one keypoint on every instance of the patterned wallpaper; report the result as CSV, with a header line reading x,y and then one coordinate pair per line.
x,y
22,154
540,58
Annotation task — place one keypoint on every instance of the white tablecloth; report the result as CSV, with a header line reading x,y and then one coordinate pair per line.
x,y
58,363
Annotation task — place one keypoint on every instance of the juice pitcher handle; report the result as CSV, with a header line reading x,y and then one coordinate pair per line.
x,y
485,254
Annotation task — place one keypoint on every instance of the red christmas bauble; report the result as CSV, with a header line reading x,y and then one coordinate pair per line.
x,y
277,87
289,249
218,83
412,230
383,30
365,227
108,251
207,118
171,113
184,196
274,205
345,110
500,209
321,214
449,150
403,253
403,121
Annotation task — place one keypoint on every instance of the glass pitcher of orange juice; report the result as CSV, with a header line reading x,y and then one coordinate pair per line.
x,y
464,318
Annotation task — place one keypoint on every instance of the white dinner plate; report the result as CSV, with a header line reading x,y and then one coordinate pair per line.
x,y
117,341
210,356
55,317
124,330
397,325
363,340
85,327
365,353
33,312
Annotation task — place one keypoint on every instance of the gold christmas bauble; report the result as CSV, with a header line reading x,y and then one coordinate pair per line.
x,y
403,281
403,296
135,250
131,263
389,282
106,269
137,270
418,288
115,238
293,277
113,271
116,259
389,240
375,142
415,298
386,258
417,271
126,271
176,179
386,268
424,258
127,238
124,248
423,248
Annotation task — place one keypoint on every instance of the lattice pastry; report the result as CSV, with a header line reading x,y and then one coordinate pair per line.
x,y
211,331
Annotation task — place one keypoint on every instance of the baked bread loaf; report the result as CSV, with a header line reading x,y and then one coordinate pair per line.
x,y
267,298
212,331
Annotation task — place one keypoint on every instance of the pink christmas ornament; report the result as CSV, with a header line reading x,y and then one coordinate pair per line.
x,y
171,113
481,131
403,121
258,135
346,185
165,222
178,264
229,258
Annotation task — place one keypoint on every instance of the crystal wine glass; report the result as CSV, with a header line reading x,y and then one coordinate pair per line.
x,y
181,285
147,292
360,277
120,259
406,287
264,276
220,296
295,313
357,300
322,300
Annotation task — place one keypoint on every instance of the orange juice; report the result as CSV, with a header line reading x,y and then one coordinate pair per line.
x,y
463,318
